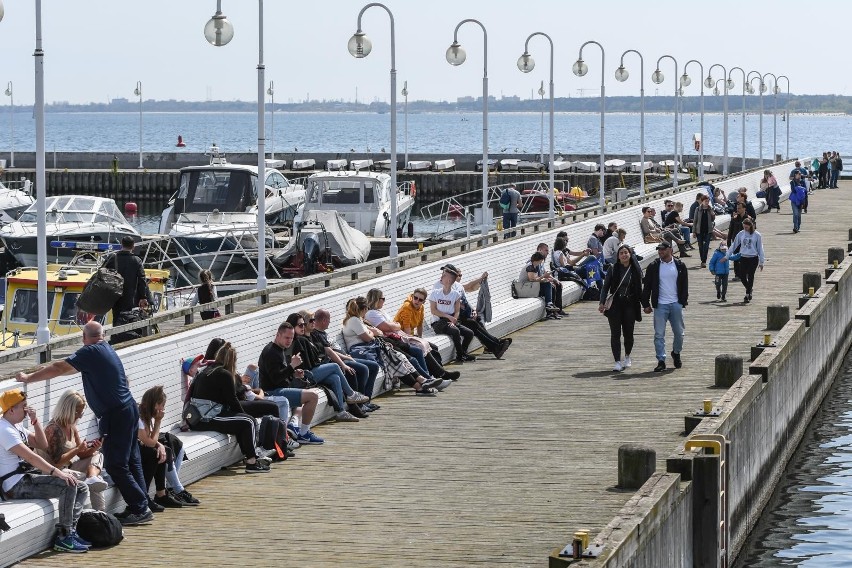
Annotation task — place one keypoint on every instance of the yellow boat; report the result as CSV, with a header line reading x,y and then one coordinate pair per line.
x,y
65,282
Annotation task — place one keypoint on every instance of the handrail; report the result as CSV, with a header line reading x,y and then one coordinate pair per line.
x,y
296,287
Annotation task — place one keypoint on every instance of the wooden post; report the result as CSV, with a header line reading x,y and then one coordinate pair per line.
x,y
728,369
705,512
811,280
776,316
636,463
836,253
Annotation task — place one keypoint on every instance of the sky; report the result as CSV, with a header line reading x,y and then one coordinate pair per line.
x,y
96,50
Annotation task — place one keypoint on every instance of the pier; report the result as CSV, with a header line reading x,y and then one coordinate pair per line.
x,y
506,464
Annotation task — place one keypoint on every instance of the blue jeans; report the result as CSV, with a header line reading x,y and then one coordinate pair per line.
x,y
685,233
510,220
703,245
122,461
668,313
330,375
797,216
415,355
366,372
834,175
546,291
72,498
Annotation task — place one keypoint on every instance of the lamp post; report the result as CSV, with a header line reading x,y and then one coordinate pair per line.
x,y
621,75
219,31
11,94
42,330
658,77
761,89
730,85
750,88
774,111
580,69
541,146
685,81
786,113
271,92
359,47
456,56
526,64
405,119
709,83
138,92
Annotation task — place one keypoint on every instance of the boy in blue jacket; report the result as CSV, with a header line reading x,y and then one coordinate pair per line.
x,y
721,270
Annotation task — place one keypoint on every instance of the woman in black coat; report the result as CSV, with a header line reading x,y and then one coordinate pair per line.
x,y
624,283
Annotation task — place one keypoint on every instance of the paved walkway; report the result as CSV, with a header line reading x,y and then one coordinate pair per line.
x,y
501,468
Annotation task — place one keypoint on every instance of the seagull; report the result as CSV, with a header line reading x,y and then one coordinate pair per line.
x,y
351,149
295,149
502,150
383,149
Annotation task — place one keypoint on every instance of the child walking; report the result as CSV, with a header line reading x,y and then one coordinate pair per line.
x,y
721,269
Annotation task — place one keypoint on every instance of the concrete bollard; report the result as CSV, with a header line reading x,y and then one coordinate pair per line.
x,y
636,464
811,280
850,234
836,253
776,316
729,368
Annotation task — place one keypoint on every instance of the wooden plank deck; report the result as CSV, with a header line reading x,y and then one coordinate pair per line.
x,y
502,467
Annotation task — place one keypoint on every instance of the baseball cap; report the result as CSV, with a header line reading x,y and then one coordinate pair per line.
x,y
451,269
664,245
188,362
10,398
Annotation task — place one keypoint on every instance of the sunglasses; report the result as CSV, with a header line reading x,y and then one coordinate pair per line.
x,y
300,324
312,320
418,299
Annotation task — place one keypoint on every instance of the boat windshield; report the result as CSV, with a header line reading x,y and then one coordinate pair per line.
x,y
341,191
229,191
76,209
25,306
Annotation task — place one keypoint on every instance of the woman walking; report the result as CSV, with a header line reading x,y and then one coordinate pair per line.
x,y
750,245
798,195
622,290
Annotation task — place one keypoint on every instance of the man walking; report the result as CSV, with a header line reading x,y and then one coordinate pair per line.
x,y
666,288
109,396
135,292
510,211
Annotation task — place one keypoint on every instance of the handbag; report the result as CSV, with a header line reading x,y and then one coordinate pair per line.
x,y
607,304
199,410
525,289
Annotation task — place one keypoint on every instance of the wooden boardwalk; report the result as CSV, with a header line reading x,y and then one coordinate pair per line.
x,y
502,467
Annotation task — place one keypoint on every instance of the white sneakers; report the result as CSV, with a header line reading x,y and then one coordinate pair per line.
x,y
625,363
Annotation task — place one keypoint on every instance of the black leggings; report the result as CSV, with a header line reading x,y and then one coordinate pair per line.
x,y
748,266
622,319
153,470
489,341
260,407
460,335
240,425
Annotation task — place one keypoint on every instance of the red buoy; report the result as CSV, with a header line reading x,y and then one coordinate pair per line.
x,y
130,208
181,143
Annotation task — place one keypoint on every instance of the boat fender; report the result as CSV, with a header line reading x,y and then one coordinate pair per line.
x,y
413,189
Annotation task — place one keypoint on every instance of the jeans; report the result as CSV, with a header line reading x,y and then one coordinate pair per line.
x,y
686,232
703,245
366,372
797,216
834,175
673,314
510,220
490,342
460,335
330,375
122,461
721,282
72,498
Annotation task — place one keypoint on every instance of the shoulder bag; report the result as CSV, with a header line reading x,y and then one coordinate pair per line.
x,y
611,296
525,289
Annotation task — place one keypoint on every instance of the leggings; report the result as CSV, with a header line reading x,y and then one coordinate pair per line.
x,y
748,266
622,319
153,470
460,335
239,424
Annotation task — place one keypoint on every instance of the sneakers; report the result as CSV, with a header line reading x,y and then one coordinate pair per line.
x,y
617,367
168,502
345,416
257,467
661,366
309,438
551,307
358,411
155,507
292,444
452,375
443,384
187,499
703,265
746,299
96,483
431,383
68,544
357,398
373,407
504,345
293,430
80,540
627,362
133,519
468,357
677,362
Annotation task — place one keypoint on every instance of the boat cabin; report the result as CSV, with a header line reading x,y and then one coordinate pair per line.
x,y
76,209
357,198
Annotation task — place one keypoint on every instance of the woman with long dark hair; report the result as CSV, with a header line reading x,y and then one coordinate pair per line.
x,y
207,293
623,287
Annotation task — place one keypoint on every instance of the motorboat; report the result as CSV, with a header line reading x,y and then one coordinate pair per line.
x,y
212,219
615,165
362,199
65,284
580,166
637,167
15,197
69,218
323,241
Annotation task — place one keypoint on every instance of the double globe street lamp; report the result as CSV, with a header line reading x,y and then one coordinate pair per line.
x,y
138,92
11,94
580,69
456,56
359,47
728,85
685,81
621,75
786,114
657,77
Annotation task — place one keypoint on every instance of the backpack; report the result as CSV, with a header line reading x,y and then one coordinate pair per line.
x,y
505,199
592,294
99,528
272,435
838,164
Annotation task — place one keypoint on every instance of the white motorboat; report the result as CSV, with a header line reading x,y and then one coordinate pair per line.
x,y
69,218
15,197
213,216
637,167
615,165
585,166
323,240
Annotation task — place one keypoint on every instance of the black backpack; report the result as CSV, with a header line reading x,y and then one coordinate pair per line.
x,y
272,435
99,528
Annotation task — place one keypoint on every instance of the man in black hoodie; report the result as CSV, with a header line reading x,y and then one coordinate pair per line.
x,y
136,292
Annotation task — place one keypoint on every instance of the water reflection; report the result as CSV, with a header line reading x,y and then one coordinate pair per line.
x,y
808,520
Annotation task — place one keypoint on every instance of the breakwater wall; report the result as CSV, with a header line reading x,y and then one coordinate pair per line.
x,y
701,510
